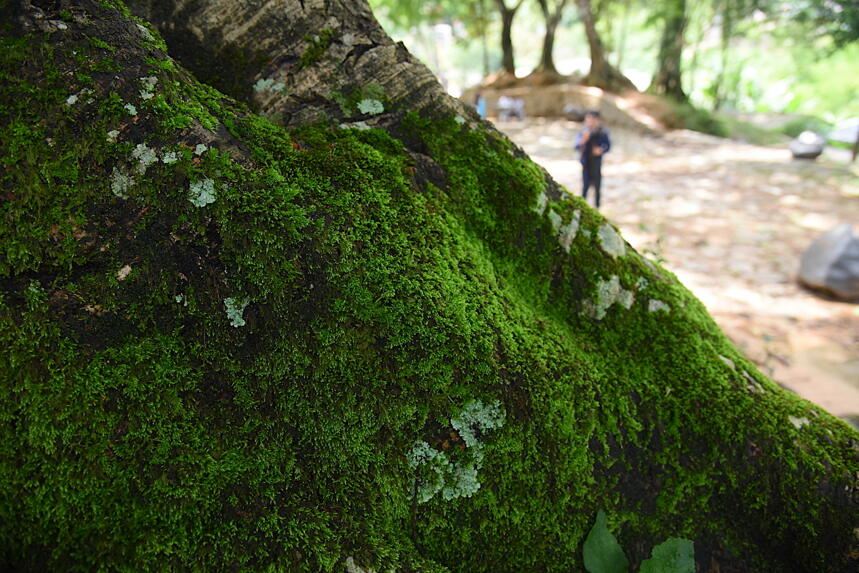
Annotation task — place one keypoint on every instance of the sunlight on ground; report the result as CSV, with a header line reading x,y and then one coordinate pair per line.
x,y
731,220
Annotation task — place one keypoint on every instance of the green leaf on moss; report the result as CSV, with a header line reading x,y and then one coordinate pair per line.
x,y
673,555
602,553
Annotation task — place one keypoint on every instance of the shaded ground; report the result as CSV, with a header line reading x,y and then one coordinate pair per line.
x,y
732,220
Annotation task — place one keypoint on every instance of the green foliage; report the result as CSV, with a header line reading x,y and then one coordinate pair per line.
x,y
601,551
671,556
687,116
317,46
603,554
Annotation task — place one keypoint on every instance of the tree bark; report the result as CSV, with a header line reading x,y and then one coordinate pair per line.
x,y
668,80
508,60
602,74
551,19
232,346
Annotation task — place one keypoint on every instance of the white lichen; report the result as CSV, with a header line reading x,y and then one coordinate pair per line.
x,y
112,135
144,31
359,125
555,220
641,283
149,82
144,156
180,299
609,292
145,95
567,233
455,479
72,99
798,422
200,149
120,182
370,106
235,310
653,305
477,417
170,157
268,84
123,273
730,363
459,119
130,109
542,201
610,241
202,193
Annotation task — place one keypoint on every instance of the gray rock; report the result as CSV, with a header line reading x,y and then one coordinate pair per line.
x,y
574,113
808,145
831,263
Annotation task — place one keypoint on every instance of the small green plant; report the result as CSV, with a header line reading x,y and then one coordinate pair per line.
x,y
603,554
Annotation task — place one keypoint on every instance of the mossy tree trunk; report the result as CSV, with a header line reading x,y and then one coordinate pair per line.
x,y
602,74
228,345
668,79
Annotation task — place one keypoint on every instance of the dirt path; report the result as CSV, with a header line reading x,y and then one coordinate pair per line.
x,y
732,220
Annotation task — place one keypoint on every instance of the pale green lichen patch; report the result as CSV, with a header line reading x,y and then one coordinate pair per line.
x,y
654,305
235,311
120,182
170,157
130,109
567,233
202,193
608,293
270,85
798,422
112,136
730,363
611,241
542,202
371,107
555,220
455,473
145,156
200,149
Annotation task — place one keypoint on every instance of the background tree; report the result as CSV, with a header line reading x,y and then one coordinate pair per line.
x,y
508,61
602,74
233,346
552,12
668,79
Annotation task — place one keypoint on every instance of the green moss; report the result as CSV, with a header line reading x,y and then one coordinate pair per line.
x,y
139,422
317,46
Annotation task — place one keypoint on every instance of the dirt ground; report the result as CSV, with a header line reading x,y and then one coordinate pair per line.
x,y
731,220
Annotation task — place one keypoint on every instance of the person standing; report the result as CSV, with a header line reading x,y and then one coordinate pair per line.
x,y
592,143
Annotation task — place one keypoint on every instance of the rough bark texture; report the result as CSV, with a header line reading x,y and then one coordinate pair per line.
x,y
668,79
229,346
299,62
602,74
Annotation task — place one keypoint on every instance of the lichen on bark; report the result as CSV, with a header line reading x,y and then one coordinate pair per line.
x,y
392,278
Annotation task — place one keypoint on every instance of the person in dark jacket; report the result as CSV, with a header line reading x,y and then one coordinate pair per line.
x,y
592,143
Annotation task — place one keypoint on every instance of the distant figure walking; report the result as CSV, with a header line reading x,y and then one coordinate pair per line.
x,y
592,143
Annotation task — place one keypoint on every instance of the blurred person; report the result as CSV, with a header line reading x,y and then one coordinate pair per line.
x,y
592,143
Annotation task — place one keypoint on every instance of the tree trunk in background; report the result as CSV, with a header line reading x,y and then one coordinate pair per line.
x,y
667,80
232,346
551,19
508,62
484,46
602,74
